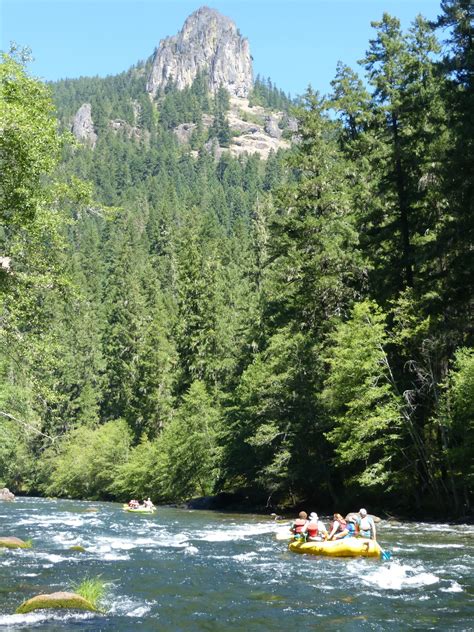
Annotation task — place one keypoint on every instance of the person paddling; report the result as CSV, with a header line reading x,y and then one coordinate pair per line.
x,y
299,524
342,529
315,529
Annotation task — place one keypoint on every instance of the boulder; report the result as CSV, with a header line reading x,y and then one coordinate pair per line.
x,y
5,493
10,542
77,548
57,600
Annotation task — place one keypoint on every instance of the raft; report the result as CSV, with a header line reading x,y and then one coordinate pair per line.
x,y
140,510
346,547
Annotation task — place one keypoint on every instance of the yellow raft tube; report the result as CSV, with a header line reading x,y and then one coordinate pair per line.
x,y
346,547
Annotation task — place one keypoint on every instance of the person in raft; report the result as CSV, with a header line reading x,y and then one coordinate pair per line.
x,y
315,529
134,504
148,503
342,529
299,524
366,525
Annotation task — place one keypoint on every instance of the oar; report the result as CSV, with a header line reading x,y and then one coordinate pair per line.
x,y
386,556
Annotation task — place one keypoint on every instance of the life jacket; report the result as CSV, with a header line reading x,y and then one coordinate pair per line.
x,y
312,529
342,526
350,526
298,525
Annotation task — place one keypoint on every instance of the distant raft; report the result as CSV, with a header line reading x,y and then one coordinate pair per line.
x,y
346,547
140,510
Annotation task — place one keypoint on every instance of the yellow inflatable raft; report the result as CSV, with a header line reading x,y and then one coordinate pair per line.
x,y
140,510
346,547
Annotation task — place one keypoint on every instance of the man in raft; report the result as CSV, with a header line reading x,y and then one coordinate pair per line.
x,y
366,525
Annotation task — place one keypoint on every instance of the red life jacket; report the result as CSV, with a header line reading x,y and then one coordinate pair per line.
x,y
312,529
298,525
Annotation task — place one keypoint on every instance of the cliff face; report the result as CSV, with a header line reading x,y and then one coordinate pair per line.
x,y
83,125
208,41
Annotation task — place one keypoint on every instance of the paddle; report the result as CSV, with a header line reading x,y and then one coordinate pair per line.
x,y
386,556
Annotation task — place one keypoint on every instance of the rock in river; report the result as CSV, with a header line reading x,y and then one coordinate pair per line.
x,y
13,543
62,600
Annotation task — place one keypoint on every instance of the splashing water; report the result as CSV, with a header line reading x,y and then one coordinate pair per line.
x,y
191,570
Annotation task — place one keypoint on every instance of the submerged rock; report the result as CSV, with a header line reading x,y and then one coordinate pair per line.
x,y
78,548
57,600
11,542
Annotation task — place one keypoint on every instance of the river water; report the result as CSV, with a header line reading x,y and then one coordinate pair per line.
x,y
196,570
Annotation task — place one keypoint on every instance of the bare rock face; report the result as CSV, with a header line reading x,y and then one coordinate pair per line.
x,y
83,125
271,126
208,42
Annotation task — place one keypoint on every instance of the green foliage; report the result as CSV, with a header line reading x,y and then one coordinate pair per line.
x,y
455,417
29,143
85,462
267,95
359,395
93,589
296,327
190,456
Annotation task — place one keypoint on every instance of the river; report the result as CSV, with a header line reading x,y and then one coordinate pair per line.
x,y
197,570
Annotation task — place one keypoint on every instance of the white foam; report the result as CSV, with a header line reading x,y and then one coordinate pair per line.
x,y
454,588
139,612
129,607
191,550
441,546
244,557
50,521
53,558
31,618
234,532
396,576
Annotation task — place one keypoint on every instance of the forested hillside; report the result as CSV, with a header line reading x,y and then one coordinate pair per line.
x,y
177,322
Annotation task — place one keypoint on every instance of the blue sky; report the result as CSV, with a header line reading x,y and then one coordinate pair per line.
x,y
295,42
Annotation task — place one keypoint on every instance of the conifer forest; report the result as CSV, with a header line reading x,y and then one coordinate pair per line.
x,y
179,322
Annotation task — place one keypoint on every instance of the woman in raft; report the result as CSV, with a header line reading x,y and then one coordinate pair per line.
x,y
299,524
342,529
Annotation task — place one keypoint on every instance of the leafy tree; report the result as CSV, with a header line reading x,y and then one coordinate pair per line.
x,y
191,458
86,462
365,408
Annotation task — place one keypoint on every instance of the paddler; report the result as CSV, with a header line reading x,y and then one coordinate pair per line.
x,y
315,529
299,524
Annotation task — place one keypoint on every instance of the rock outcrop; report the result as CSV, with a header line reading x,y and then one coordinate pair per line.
x,y
208,42
83,125
62,600
5,493
250,131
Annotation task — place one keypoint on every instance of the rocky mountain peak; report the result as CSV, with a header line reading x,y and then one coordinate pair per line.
x,y
208,41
